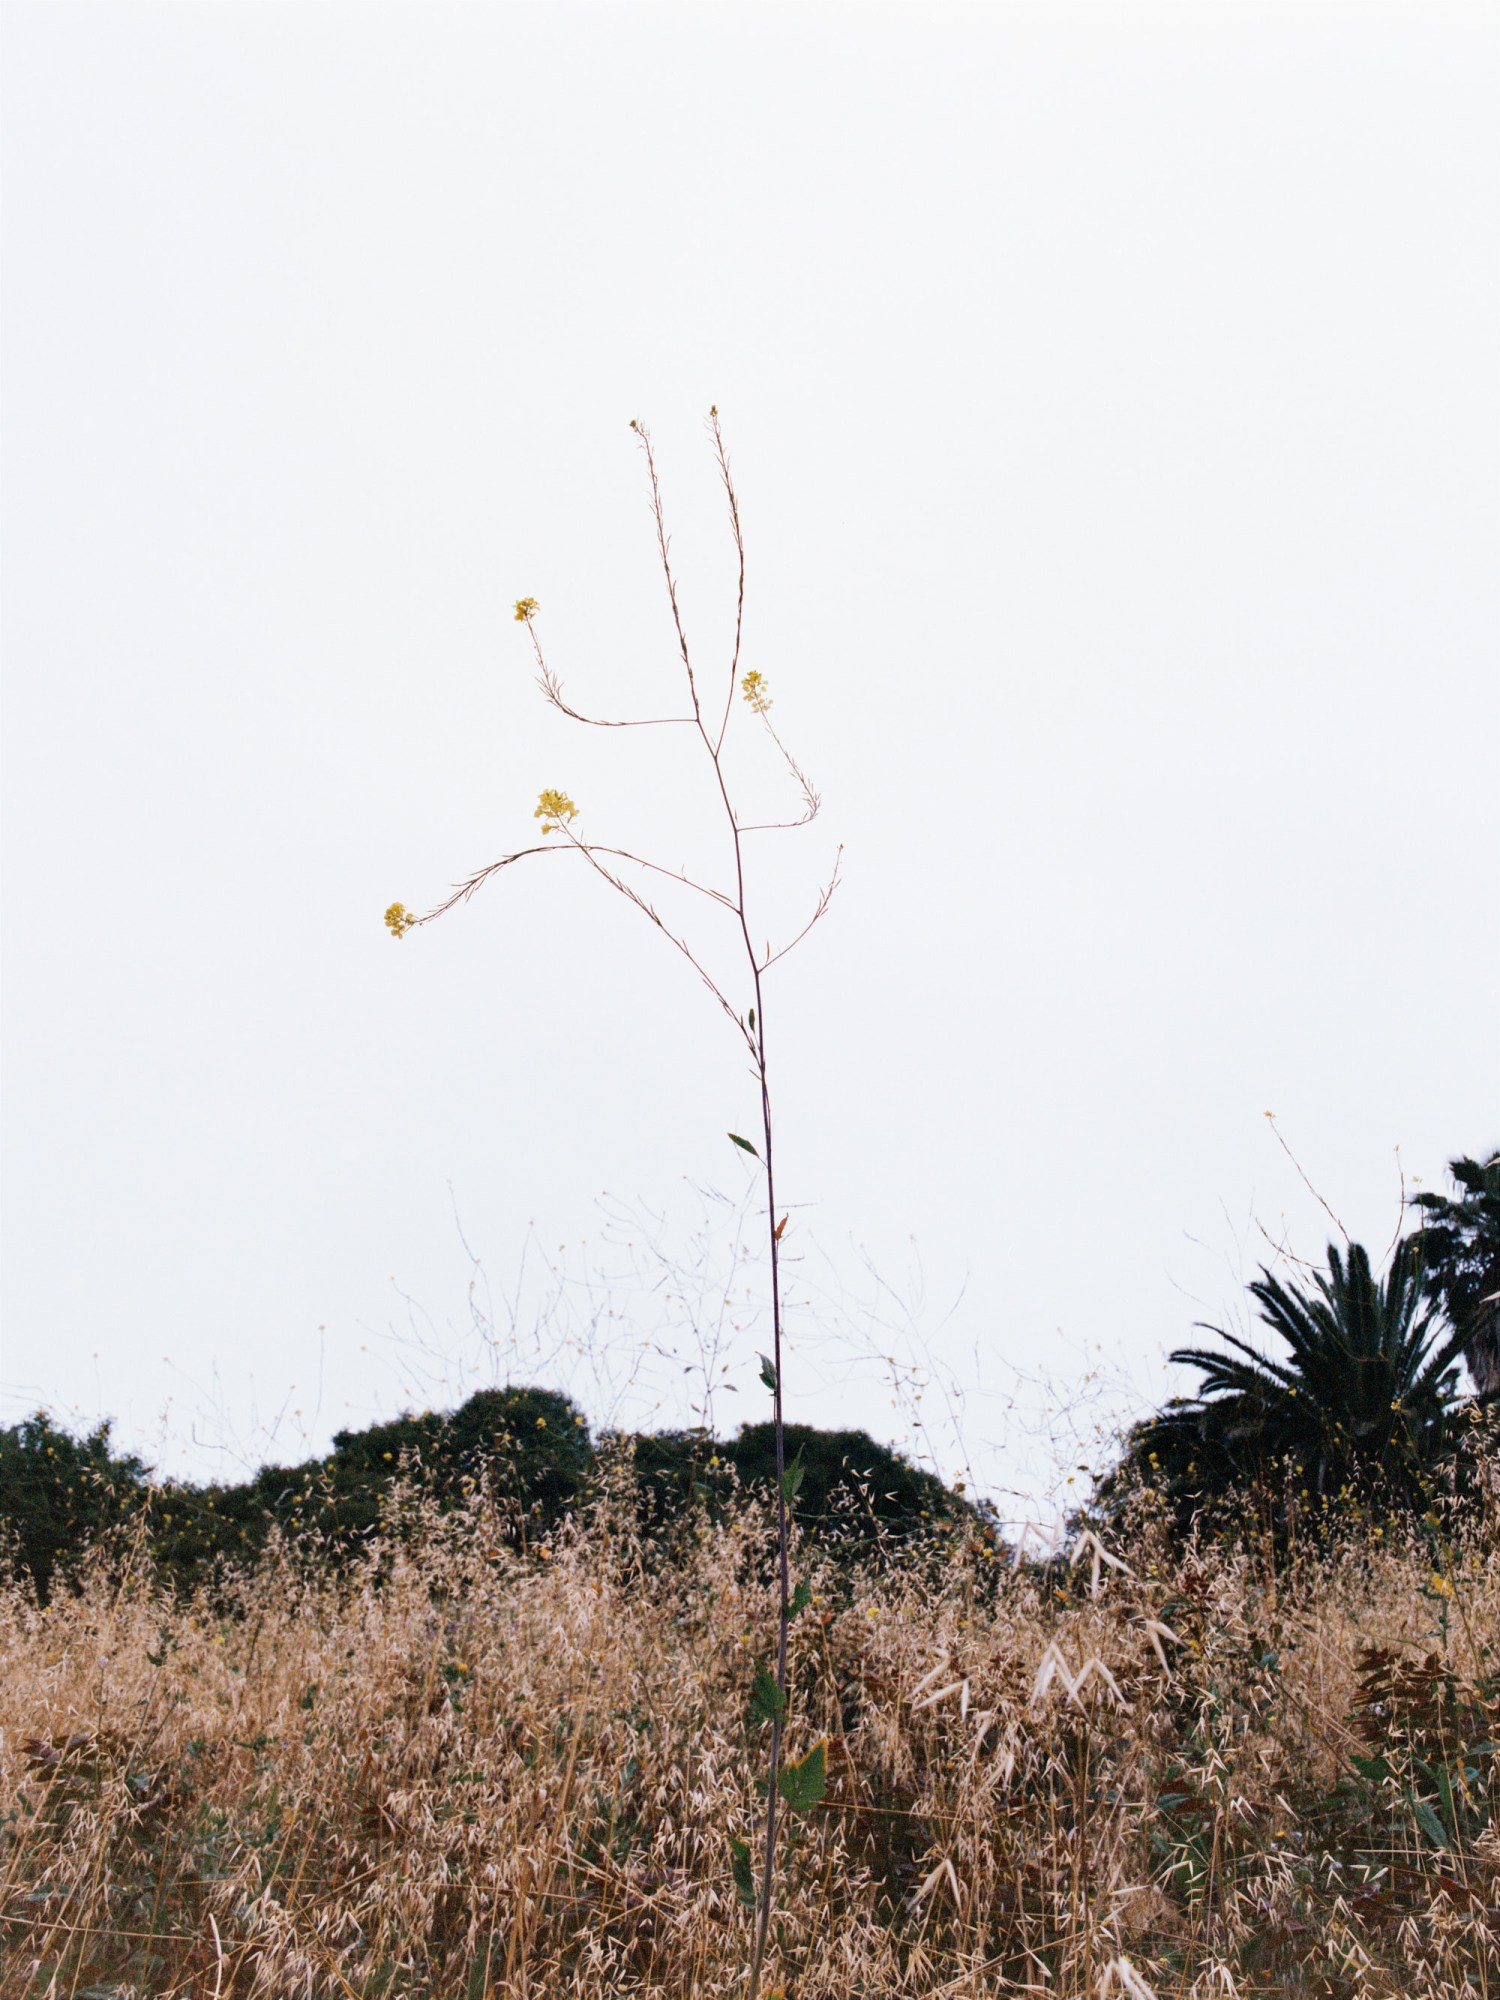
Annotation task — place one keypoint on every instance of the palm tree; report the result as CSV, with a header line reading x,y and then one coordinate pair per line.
x,y
1460,1251
1359,1405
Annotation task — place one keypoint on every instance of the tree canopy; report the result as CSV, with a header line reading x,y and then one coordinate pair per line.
x,y
1358,1406
1459,1247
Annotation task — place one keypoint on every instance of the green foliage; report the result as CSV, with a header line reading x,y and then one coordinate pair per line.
x,y
744,1878
767,1700
528,1448
804,1783
195,1532
673,1471
849,1493
61,1496
849,1490
1459,1247
1360,1409
1425,1781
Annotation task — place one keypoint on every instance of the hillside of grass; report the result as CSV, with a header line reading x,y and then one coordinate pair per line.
x,y
457,1763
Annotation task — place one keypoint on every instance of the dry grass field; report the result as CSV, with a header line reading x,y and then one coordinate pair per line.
x,y
457,1771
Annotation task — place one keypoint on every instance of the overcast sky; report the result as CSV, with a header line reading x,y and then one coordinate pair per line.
x,y
1111,393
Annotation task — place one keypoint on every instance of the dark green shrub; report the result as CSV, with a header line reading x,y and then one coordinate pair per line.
x,y
195,1532
61,1496
529,1448
853,1497
673,1471
853,1492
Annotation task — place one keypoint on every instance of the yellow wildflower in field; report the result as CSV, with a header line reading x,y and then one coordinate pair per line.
x,y
399,920
756,691
526,610
554,808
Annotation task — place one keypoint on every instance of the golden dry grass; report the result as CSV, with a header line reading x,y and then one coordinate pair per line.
x,y
458,1772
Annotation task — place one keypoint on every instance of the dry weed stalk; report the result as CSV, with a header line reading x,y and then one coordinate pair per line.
x,y
710,709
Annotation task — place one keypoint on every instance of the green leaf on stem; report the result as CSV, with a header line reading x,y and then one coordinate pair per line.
x,y
768,1372
1429,1822
791,1479
801,1598
744,1145
804,1783
767,1700
744,1880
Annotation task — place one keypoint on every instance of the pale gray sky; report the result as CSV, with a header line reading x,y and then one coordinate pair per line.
x,y
1112,396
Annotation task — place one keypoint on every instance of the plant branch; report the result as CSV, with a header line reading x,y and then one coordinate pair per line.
x,y
823,901
664,545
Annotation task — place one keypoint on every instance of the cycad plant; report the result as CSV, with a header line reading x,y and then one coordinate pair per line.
x,y
1359,1406
713,700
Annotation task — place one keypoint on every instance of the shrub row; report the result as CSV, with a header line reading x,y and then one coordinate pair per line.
x,y
63,1498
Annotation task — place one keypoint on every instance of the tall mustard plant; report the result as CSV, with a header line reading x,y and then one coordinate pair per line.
x,y
712,704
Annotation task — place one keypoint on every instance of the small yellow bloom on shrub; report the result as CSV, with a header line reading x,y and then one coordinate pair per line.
x,y
526,610
399,920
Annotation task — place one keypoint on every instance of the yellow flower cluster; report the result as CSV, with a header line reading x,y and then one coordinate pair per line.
x,y
399,920
554,809
756,691
526,610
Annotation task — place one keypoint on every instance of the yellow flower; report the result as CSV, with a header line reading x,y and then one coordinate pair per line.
x,y
756,692
526,610
1441,1585
399,920
554,809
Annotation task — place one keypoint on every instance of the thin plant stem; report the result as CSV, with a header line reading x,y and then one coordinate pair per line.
x,y
559,812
